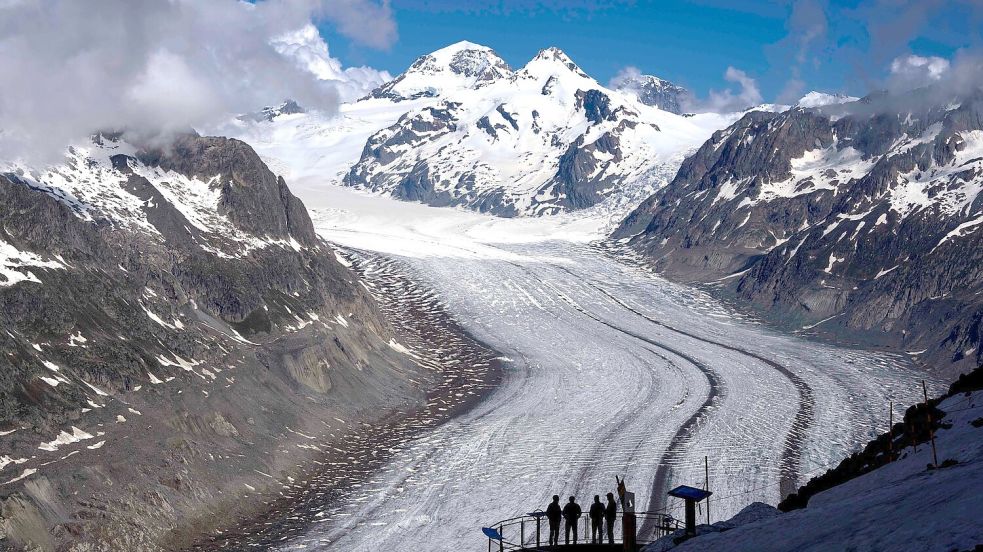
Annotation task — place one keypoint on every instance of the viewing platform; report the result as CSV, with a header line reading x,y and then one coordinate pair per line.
x,y
631,529
531,533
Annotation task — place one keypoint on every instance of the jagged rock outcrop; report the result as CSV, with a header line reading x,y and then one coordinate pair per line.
x,y
861,219
654,91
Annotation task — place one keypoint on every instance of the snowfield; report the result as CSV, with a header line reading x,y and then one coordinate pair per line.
x,y
612,371
900,506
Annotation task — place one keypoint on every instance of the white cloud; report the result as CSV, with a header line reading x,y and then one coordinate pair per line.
x,y
909,72
792,91
168,85
71,68
727,100
365,21
625,77
310,51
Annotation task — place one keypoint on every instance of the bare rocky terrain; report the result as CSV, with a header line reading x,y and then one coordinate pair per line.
x,y
178,346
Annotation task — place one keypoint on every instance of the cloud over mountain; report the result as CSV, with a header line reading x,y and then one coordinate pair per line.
x,y
72,67
728,100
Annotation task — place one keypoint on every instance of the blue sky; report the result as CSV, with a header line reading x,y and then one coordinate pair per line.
x,y
787,47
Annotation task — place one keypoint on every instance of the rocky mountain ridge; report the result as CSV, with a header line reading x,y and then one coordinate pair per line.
x,y
860,219
175,335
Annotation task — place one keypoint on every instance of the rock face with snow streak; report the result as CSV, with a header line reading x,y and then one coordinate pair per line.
x,y
539,140
655,92
865,218
164,310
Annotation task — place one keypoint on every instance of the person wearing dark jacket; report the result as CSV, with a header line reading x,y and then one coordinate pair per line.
x,y
596,521
554,514
571,513
610,514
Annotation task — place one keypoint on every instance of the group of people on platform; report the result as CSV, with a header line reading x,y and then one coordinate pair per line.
x,y
601,517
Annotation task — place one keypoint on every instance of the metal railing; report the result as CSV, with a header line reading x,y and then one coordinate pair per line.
x,y
531,531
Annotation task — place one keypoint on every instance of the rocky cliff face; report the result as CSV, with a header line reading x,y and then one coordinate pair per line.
x,y
175,337
656,92
861,219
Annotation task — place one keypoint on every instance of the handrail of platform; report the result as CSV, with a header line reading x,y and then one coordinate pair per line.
x,y
526,532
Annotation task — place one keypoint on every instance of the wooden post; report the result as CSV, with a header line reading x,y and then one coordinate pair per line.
x,y
706,486
628,528
890,435
931,430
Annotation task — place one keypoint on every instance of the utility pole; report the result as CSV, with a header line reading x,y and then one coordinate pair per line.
x,y
890,434
931,430
706,487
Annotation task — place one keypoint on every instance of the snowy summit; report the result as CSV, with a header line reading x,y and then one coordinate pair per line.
x,y
819,99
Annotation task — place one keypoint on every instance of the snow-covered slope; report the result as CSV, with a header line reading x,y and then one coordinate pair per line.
x,y
899,506
314,148
461,127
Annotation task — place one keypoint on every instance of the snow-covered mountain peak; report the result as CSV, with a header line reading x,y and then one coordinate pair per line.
x,y
462,65
269,113
552,60
459,127
447,53
819,99
471,60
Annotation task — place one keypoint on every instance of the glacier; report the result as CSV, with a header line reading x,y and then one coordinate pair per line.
x,y
611,370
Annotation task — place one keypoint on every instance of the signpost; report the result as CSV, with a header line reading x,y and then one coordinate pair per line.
x,y
691,495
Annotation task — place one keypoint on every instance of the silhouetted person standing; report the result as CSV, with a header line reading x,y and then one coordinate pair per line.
x,y
597,521
554,514
571,513
611,514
